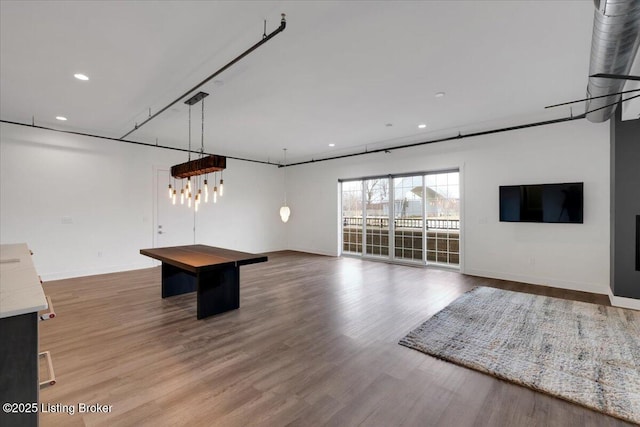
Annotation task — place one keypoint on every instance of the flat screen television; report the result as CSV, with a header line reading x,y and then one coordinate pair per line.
x,y
555,203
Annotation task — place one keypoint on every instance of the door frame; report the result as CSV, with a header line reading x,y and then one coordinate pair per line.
x,y
156,169
392,258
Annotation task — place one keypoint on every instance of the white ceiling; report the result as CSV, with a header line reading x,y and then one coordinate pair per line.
x,y
338,74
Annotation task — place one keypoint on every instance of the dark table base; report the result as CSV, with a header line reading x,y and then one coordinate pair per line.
x,y
218,289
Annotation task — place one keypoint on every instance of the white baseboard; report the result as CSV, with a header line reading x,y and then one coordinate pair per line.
x,y
543,281
624,302
312,251
95,271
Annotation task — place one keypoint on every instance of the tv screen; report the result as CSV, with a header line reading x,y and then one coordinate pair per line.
x,y
555,203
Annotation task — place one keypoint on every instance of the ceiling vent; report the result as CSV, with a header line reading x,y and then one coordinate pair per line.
x,y
614,44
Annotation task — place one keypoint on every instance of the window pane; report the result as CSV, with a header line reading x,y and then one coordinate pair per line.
x,y
352,217
408,202
376,192
443,217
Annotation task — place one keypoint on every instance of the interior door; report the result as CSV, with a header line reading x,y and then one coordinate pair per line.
x,y
174,225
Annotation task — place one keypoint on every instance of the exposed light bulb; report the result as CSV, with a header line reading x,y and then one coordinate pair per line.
x,y
189,185
182,196
173,198
221,187
215,194
206,192
189,201
170,191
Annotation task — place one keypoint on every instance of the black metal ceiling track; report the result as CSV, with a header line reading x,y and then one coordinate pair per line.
x,y
593,97
433,141
362,153
145,144
460,136
265,38
615,76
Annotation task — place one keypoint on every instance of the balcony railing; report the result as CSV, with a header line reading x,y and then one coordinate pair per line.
x,y
415,223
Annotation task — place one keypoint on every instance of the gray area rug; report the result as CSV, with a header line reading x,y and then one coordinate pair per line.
x,y
584,353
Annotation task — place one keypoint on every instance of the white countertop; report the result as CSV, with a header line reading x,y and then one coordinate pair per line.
x,y
20,288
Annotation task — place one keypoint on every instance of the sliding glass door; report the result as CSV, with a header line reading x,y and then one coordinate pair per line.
x,y
408,218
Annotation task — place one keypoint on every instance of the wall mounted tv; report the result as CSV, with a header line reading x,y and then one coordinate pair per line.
x,y
557,203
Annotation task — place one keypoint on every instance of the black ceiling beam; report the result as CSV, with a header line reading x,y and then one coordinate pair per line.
x,y
593,97
266,38
449,138
615,76
145,144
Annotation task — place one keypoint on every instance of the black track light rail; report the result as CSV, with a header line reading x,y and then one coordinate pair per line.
x,y
615,76
593,97
433,141
362,153
266,38
461,136
127,141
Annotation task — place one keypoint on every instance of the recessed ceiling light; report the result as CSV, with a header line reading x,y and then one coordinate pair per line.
x,y
439,94
61,118
332,145
422,126
80,76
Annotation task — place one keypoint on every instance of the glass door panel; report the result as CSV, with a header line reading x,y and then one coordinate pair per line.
x,y
408,223
443,217
376,199
352,217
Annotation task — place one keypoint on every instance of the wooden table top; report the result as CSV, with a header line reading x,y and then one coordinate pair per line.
x,y
196,258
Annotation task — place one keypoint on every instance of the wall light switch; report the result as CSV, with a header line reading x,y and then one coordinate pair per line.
x,y
67,220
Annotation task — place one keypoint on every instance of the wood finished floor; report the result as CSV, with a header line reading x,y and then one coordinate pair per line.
x,y
315,342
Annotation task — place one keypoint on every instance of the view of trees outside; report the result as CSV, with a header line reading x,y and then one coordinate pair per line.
x,y
352,216
366,207
408,205
376,193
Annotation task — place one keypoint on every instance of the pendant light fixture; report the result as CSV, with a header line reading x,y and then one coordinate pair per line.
x,y
285,212
193,190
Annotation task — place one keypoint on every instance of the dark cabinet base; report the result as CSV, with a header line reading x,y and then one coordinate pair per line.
x,y
19,367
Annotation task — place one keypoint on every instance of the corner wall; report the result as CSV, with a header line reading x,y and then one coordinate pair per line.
x,y
571,256
85,205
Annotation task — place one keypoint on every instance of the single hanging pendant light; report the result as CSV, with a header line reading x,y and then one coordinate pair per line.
x,y
285,212
215,189
206,190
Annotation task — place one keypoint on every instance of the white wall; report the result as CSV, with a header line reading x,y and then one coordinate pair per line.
x,y
572,256
106,189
